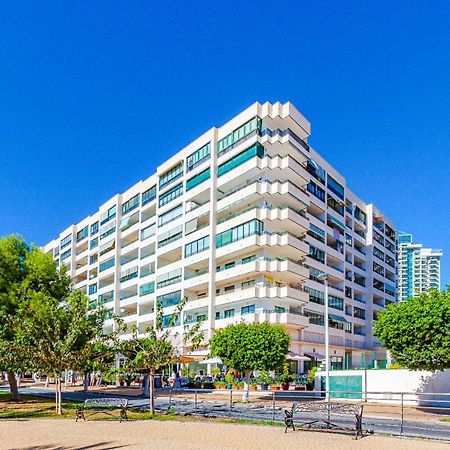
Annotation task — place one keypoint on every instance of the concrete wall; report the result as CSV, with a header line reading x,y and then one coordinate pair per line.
x,y
419,387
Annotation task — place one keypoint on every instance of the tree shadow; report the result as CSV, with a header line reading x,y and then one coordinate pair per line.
x,y
97,446
430,392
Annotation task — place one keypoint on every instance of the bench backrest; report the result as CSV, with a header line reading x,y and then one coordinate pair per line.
x,y
328,407
105,402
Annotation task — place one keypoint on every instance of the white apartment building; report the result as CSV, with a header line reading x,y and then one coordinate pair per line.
x,y
240,222
419,268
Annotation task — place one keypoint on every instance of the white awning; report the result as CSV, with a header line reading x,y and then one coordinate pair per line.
x,y
294,357
211,361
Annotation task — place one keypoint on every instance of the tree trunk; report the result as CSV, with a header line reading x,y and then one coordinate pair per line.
x,y
13,386
47,380
86,382
246,385
151,391
58,394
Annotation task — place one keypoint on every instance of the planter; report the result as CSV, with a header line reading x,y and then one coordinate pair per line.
x,y
253,388
220,387
301,387
229,386
274,388
264,387
285,386
121,383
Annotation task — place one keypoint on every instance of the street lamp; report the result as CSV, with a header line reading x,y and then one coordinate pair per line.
x,y
324,277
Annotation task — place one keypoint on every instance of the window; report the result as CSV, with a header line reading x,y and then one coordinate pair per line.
x,y
130,204
247,310
217,315
171,195
248,259
389,289
108,215
229,288
280,309
316,171
171,215
129,274
83,233
255,150
335,302
378,269
316,254
94,228
171,320
148,232
171,175
378,253
316,190
149,195
240,232
243,131
335,205
315,296
65,254
360,215
390,260
378,238
314,317
92,289
198,179
197,246
247,284
106,264
228,313
199,156
93,259
148,288
229,265
390,233
335,187
107,230
168,278
93,243
170,299
170,236
359,313
378,284
66,241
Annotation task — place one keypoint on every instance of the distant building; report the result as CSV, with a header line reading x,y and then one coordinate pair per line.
x,y
419,269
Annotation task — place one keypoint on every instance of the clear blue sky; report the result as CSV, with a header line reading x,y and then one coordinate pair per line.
x,y
94,95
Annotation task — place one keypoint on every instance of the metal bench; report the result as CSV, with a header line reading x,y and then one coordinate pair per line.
x,y
107,406
327,409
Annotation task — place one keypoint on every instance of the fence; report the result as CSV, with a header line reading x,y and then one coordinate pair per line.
x,y
411,414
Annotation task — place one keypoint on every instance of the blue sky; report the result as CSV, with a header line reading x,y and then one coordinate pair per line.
x,y
94,95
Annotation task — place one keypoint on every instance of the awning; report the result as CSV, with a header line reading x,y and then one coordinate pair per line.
x,y
336,318
336,222
212,361
294,357
315,355
106,246
184,359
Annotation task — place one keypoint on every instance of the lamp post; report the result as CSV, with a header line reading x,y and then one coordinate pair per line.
x,y
324,277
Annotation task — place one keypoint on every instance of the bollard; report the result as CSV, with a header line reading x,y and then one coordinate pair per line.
x,y
196,400
401,423
273,406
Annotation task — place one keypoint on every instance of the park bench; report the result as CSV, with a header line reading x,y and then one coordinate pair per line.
x,y
301,410
94,406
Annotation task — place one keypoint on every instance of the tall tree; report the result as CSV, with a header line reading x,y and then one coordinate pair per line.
x,y
159,346
23,269
417,331
63,334
248,347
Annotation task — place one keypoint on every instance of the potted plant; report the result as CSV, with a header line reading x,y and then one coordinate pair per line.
x,y
128,377
229,379
253,384
311,378
215,372
121,380
240,385
220,384
286,378
264,380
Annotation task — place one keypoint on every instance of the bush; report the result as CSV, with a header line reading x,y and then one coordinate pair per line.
x,y
264,377
311,378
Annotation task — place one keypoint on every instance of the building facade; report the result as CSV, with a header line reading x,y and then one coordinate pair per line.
x,y
240,223
419,269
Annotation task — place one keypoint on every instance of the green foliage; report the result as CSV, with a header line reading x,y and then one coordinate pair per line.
x,y
417,331
286,377
229,377
311,378
251,346
264,377
215,371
